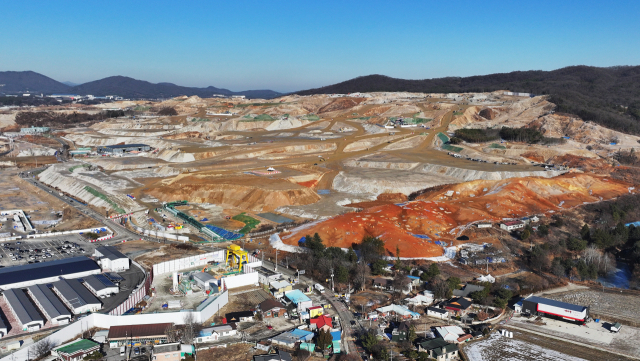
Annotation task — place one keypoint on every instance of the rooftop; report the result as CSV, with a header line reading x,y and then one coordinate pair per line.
x,y
460,303
203,277
75,293
167,347
296,296
22,306
36,271
270,304
110,252
555,303
512,223
74,347
138,331
51,304
235,316
98,282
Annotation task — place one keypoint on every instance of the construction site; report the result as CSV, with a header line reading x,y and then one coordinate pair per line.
x,y
381,164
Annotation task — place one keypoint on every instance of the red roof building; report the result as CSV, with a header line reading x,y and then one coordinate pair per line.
x,y
322,323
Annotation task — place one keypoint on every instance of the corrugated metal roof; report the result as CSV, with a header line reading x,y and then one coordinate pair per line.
x,y
75,293
22,306
110,252
49,302
35,271
296,296
204,277
154,329
554,303
98,282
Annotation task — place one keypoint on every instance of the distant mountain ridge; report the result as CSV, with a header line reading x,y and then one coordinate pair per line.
x,y
126,87
608,96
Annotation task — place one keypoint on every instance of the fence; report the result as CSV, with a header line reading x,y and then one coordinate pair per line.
x,y
137,295
188,262
158,234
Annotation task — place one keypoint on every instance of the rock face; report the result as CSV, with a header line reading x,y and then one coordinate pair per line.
x,y
487,113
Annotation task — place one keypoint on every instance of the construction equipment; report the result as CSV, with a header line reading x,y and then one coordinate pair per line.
x,y
236,256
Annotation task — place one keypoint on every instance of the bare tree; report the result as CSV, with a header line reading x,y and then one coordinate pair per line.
x,y
42,348
171,333
191,328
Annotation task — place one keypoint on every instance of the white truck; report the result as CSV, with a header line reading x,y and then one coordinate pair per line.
x,y
319,287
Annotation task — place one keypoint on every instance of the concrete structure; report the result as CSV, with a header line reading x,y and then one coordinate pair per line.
x,y
214,333
76,297
75,350
124,148
34,130
46,272
100,285
24,311
49,304
278,288
301,300
141,334
111,259
167,352
205,281
266,276
510,226
534,305
272,308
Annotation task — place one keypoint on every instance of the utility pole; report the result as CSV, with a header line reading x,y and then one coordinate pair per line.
x,y
332,288
276,264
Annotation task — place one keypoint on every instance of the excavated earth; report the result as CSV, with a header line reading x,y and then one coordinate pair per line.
x,y
443,218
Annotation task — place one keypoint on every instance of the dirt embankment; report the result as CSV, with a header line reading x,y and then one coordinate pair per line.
x,y
443,213
340,104
244,192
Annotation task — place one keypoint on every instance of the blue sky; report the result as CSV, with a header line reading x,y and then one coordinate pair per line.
x,y
293,45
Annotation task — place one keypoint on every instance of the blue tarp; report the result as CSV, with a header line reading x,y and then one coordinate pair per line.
x,y
204,220
635,224
336,335
224,233
323,191
302,240
422,236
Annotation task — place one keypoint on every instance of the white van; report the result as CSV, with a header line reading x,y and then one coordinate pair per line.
x,y
122,350
319,287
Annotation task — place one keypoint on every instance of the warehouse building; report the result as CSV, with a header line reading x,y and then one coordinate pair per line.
x,y
24,311
46,272
75,350
123,148
76,296
154,333
100,285
206,281
534,305
50,305
111,259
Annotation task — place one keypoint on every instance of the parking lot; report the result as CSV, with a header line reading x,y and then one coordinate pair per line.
x,y
36,250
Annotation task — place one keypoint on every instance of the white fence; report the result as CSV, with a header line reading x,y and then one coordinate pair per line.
x,y
240,280
187,262
158,234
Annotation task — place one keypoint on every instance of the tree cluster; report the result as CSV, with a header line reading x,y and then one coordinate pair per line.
x,y
478,135
167,111
53,119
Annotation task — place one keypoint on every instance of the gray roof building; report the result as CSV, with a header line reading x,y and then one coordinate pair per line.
x,y
49,303
100,285
110,252
30,274
76,296
23,309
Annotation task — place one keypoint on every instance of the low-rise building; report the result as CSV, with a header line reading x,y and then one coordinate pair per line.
x,y
438,313
266,276
100,285
206,281
24,311
214,333
241,316
34,130
315,311
336,340
458,305
166,352
450,333
439,349
401,332
111,259
301,300
75,350
124,148
279,355
321,323
512,225
50,305
278,288
154,333
76,297
271,308
424,298
400,310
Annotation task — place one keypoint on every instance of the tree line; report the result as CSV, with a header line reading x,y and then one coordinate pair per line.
x,y
56,119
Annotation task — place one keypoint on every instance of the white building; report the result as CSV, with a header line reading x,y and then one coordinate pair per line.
x,y
437,312
77,298
100,285
206,281
424,298
49,304
46,272
510,226
111,259
214,333
450,333
24,311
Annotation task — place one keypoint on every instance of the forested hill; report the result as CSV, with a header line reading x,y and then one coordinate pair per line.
x,y
607,96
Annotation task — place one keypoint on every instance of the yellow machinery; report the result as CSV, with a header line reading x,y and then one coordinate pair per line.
x,y
236,255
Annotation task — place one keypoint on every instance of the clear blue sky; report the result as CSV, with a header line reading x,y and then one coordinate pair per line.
x,y
293,45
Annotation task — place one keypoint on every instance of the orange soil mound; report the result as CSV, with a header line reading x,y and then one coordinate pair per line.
x,y
534,157
341,104
599,166
309,184
442,218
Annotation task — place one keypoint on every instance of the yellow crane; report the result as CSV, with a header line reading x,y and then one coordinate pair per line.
x,y
236,255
